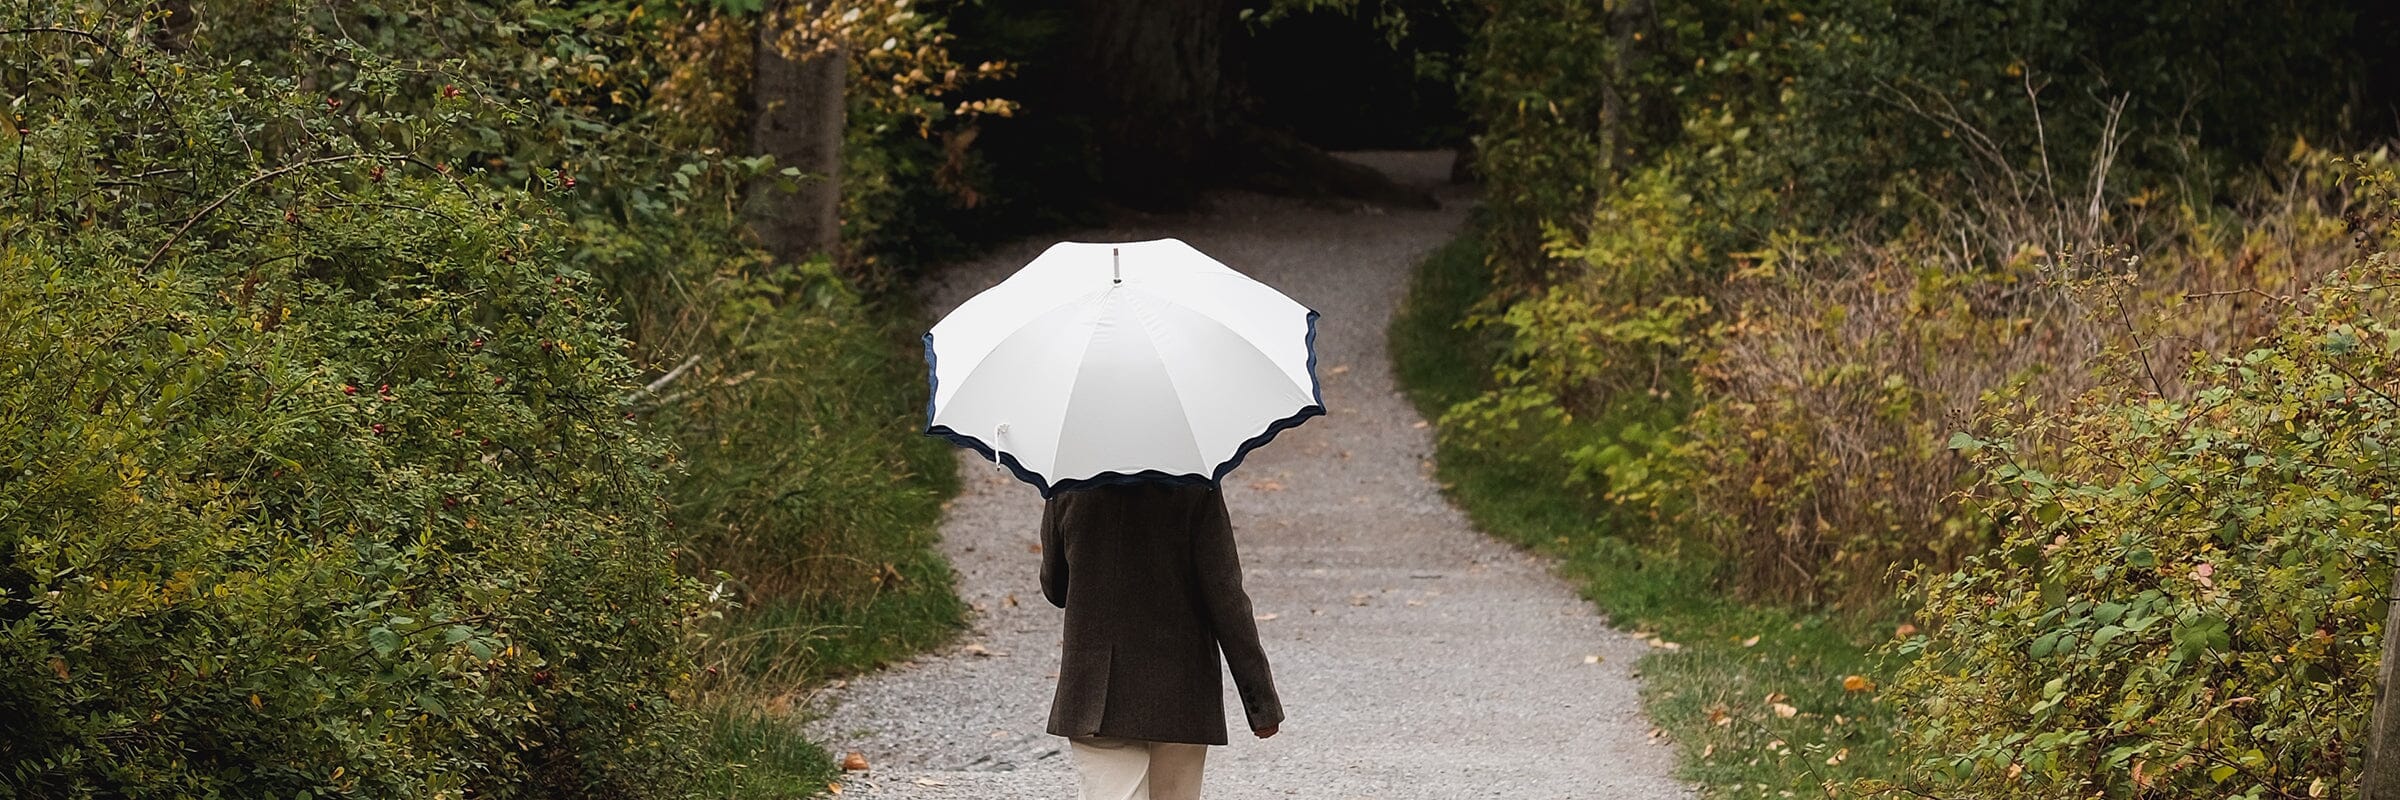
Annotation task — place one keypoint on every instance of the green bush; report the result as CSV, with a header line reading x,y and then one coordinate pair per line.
x,y
1687,196
803,482
2188,595
316,471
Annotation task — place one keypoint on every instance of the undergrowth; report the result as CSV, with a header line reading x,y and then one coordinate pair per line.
x,y
1760,700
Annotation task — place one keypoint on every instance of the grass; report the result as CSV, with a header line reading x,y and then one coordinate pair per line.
x,y
835,499
1753,697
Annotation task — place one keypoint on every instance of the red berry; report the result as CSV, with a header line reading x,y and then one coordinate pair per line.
x,y
385,390
449,90
333,102
349,389
376,175
378,427
497,380
477,343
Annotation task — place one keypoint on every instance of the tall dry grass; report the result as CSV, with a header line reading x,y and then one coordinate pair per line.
x,y
1818,456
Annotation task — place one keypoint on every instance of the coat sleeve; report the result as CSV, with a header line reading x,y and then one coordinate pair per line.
x,y
1220,569
1054,556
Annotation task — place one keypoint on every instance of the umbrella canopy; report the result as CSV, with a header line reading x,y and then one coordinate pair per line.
x,y
1121,362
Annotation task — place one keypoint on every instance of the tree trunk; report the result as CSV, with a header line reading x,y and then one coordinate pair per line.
x,y
2375,92
1624,117
2380,780
1159,81
1158,93
796,115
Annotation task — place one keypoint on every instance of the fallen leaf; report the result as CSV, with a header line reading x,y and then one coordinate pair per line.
x,y
1414,603
1750,642
1857,683
1592,659
833,788
1718,716
1011,600
59,665
1267,485
1421,424
1785,710
1838,757
1340,369
930,782
1266,616
1904,631
854,762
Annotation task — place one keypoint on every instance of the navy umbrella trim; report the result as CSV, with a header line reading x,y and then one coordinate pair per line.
x,y
1316,392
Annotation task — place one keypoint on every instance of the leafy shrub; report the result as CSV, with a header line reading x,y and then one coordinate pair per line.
x,y
1830,227
802,480
1843,369
316,476
2188,595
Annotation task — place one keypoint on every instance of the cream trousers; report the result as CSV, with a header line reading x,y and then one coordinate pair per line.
x,y
1132,769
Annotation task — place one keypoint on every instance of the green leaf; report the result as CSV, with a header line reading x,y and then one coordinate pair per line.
x,y
383,640
2219,773
458,633
2107,613
2198,636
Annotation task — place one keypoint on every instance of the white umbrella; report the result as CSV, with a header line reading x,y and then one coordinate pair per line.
x,y
1103,363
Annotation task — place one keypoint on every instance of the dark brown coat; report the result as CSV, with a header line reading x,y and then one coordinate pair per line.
x,y
1153,591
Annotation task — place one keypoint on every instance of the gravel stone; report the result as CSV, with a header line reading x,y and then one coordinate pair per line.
x,y
1417,658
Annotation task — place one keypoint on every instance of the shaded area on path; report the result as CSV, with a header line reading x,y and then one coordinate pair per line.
x,y
1416,657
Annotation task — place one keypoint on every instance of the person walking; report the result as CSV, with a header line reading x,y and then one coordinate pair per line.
x,y
1152,588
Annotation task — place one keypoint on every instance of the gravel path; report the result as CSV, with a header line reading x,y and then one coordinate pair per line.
x,y
1416,658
